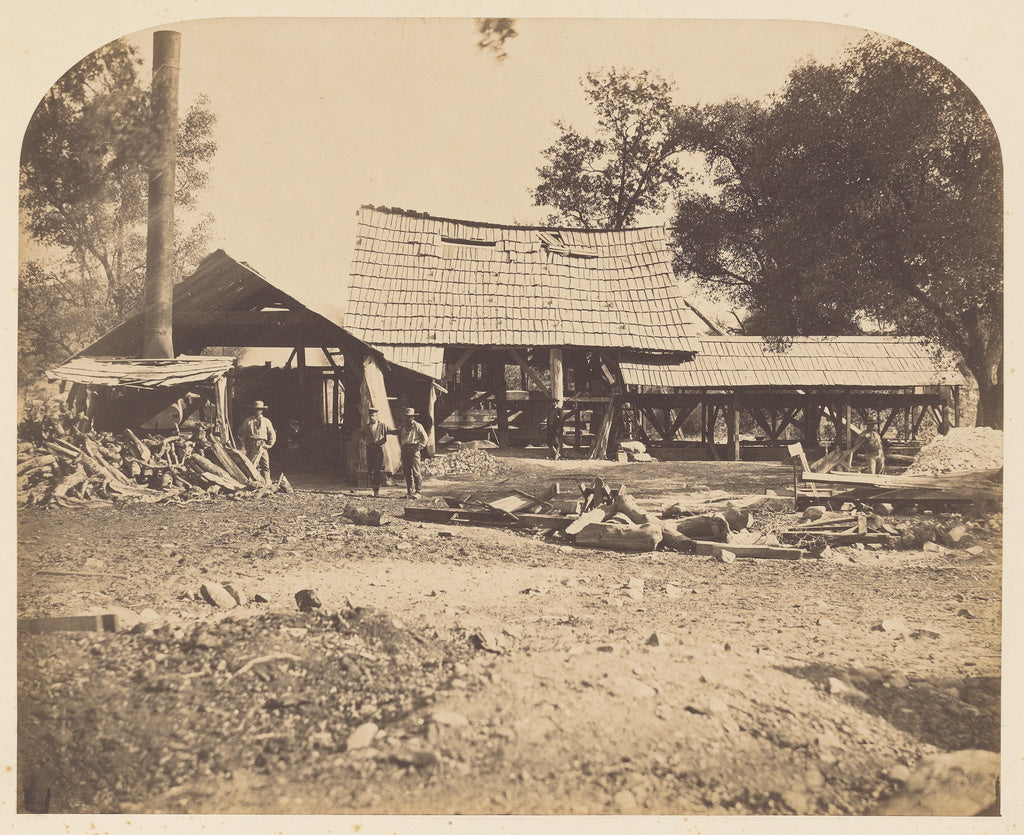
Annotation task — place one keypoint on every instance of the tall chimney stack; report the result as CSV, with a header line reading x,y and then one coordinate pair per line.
x,y
156,317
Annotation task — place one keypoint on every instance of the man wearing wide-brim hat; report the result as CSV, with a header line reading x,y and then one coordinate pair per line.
x,y
376,432
412,437
873,447
257,436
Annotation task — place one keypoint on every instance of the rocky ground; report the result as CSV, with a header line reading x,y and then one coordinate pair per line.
x,y
466,670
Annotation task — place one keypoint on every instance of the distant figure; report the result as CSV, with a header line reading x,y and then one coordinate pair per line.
x,y
873,448
556,427
376,432
412,437
258,436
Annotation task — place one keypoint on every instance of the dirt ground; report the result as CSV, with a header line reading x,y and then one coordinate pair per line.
x,y
504,673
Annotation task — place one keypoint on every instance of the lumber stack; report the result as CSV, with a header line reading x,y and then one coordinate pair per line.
x,y
89,468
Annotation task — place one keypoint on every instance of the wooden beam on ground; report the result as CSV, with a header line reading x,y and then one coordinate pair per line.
x,y
79,623
487,517
763,552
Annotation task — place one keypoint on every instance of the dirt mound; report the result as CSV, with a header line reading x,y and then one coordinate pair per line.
x,y
463,462
963,448
265,693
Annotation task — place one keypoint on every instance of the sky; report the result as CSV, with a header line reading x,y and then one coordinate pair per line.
x,y
317,117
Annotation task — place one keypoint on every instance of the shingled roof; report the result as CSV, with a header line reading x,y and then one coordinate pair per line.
x,y
866,362
429,281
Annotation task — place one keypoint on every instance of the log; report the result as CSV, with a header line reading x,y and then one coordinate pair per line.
x,y
711,526
627,506
598,514
619,538
671,538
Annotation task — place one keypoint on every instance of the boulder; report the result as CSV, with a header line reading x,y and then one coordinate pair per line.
x,y
960,783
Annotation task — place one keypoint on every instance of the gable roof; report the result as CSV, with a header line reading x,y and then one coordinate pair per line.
x,y
422,280
863,362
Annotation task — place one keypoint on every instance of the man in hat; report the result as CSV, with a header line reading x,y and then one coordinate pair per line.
x,y
257,436
412,437
873,448
376,432
556,426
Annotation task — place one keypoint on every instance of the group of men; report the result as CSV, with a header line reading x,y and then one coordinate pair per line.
x,y
258,436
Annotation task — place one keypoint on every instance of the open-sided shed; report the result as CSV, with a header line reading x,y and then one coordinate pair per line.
x,y
227,304
795,383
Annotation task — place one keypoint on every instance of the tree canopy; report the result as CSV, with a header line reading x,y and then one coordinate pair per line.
x,y
83,189
866,194
630,167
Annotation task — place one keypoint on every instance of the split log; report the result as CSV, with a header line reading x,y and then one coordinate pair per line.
x,y
620,538
598,514
227,463
210,469
142,452
243,463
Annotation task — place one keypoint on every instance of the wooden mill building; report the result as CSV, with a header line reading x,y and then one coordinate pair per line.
x,y
517,317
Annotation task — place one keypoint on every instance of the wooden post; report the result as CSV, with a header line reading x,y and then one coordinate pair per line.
x,y
734,427
353,371
811,421
557,375
432,434
956,405
500,398
848,421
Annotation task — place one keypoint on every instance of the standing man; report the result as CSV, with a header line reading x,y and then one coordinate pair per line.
x,y
873,448
376,436
412,437
556,426
258,436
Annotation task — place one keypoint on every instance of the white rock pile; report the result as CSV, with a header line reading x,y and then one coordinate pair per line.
x,y
463,462
963,448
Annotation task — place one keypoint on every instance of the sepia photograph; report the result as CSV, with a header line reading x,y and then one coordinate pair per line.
x,y
594,419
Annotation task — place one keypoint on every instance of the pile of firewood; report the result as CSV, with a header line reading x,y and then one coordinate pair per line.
x,y
90,468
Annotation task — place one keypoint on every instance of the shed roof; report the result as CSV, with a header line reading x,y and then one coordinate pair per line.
x,y
422,280
226,302
726,362
141,373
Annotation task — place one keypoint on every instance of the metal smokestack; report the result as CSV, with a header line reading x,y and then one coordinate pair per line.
x,y
156,317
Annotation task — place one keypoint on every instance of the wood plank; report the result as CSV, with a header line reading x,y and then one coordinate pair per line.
x,y
486,517
79,623
598,514
713,549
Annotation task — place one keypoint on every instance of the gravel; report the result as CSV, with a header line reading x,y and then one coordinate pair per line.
x,y
962,449
463,462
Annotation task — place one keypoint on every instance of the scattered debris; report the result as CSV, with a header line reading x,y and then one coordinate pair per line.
x,y
463,462
962,448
